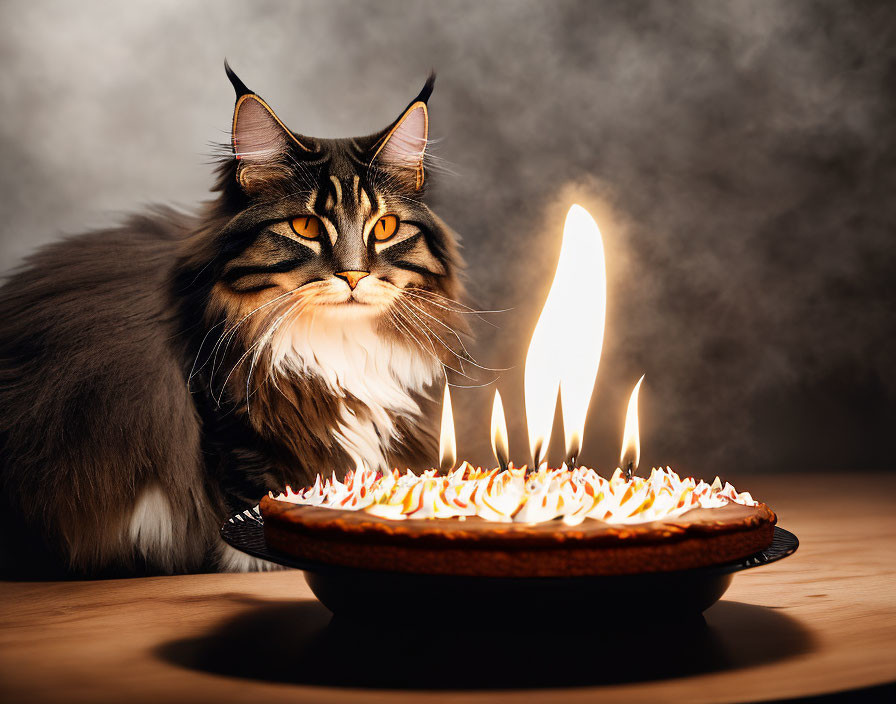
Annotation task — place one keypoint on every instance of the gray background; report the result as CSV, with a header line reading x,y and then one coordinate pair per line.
x,y
739,158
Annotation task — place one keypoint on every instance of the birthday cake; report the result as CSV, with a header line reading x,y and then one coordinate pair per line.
x,y
513,523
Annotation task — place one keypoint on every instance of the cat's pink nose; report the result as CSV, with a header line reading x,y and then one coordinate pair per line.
x,y
352,277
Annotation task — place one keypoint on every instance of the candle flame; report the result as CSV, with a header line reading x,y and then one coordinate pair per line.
x,y
499,432
631,437
564,353
447,440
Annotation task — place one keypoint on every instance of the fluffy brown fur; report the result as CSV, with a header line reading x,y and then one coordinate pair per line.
x,y
155,378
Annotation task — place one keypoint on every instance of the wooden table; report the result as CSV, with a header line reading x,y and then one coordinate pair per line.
x,y
823,620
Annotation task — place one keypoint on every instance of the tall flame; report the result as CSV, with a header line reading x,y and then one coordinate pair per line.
x,y
447,441
631,436
499,432
564,353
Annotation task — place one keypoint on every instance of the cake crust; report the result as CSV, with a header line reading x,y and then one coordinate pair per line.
x,y
475,547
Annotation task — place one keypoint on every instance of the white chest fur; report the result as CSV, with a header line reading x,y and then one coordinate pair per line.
x,y
351,357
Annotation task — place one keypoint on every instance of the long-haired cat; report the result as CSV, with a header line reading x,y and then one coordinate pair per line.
x,y
158,377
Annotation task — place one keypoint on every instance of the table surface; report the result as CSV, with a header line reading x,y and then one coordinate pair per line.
x,y
823,620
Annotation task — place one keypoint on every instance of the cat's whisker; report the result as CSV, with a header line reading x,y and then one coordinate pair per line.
x,y
260,340
396,318
447,299
303,289
441,303
471,386
419,308
400,325
299,306
213,355
261,344
409,323
222,346
448,308
193,370
237,325
429,334
429,330
467,355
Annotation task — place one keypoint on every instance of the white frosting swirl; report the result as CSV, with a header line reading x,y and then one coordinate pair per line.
x,y
513,495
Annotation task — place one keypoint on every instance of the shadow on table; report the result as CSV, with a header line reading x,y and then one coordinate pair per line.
x,y
300,642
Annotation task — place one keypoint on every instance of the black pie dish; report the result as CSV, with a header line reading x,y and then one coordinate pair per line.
x,y
350,591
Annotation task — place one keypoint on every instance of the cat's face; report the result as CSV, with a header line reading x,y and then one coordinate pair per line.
x,y
318,293
351,242
331,228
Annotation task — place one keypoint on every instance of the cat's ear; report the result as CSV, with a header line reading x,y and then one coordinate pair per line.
x,y
403,144
261,142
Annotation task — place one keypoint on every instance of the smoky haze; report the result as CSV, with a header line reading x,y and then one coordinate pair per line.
x,y
738,157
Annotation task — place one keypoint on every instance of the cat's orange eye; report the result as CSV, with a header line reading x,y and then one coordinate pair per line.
x,y
306,226
385,227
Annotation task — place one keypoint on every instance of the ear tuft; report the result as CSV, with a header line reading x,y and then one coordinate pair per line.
x,y
238,86
426,91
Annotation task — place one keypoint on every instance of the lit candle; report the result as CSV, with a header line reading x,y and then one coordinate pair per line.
x,y
447,441
499,433
564,353
630,455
